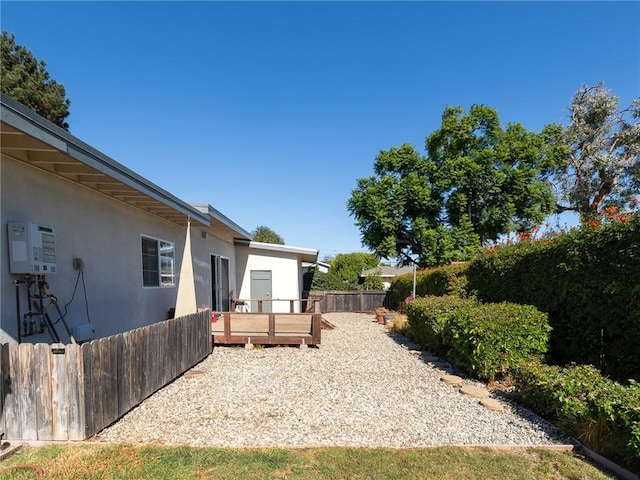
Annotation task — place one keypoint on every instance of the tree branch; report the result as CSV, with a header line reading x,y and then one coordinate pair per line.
x,y
563,208
605,187
406,256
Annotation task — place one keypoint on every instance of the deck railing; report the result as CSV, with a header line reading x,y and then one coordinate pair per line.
x,y
259,328
258,305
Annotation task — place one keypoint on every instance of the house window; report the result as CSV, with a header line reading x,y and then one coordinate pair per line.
x,y
157,263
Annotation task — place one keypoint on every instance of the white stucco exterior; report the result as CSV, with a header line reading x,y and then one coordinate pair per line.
x,y
284,263
107,236
100,212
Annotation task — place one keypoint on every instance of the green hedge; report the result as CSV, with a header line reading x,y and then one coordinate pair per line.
x,y
603,414
486,340
587,280
449,280
427,318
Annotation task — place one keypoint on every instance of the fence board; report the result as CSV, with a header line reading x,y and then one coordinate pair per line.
x,y
173,348
179,333
184,336
89,425
124,375
138,367
27,389
75,373
349,301
148,381
11,406
111,349
59,394
43,375
155,358
163,353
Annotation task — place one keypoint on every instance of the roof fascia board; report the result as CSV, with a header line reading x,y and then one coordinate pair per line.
x,y
277,248
32,124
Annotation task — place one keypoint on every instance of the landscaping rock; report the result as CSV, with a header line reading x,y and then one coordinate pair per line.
x,y
359,388
452,380
492,404
475,392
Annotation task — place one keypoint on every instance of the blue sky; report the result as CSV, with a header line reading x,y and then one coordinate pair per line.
x,y
271,111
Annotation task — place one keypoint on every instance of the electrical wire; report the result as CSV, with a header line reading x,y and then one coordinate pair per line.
x,y
86,300
73,295
75,287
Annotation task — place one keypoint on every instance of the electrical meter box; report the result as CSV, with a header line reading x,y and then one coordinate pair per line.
x,y
32,248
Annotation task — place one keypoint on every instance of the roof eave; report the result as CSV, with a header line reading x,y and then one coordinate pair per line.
x,y
30,123
305,254
240,232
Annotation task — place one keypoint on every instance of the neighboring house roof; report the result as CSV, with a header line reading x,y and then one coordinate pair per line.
x,y
27,137
305,254
317,264
387,271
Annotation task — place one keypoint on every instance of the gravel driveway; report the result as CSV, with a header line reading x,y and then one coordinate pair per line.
x,y
360,387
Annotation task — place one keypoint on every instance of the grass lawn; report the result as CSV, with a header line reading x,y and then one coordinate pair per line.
x,y
94,461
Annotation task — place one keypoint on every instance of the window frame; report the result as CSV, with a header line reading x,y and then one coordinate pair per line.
x,y
164,263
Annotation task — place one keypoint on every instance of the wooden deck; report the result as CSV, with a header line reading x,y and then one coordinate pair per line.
x,y
231,328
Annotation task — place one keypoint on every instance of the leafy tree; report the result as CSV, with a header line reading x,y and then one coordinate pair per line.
x,y
490,176
348,266
477,182
326,281
372,282
266,235
598,153
344,272
26,80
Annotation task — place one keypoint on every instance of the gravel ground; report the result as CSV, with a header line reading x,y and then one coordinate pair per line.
x,y
360,387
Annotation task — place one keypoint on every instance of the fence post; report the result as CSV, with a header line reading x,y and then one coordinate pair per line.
x,y
272,328
316,328
227,325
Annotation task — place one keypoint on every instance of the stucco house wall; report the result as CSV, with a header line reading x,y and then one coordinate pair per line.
x,y
284,276
104,233
100,210
285,264
202,248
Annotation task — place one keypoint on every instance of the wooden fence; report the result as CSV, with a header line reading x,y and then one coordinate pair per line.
x,y
348,301
71,392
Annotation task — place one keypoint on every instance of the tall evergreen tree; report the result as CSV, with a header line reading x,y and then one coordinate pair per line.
x,y
26,80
